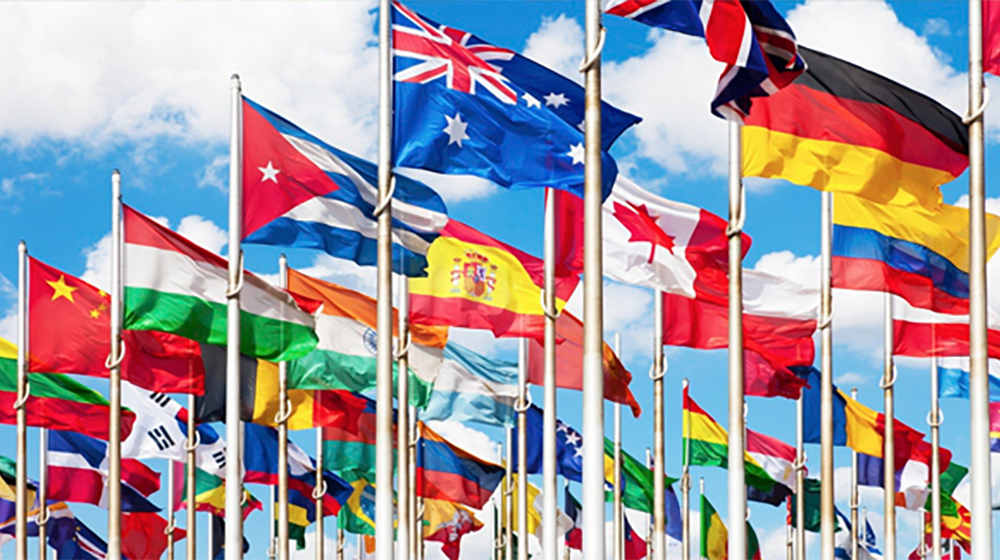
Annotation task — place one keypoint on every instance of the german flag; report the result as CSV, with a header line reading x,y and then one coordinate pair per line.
x,y
841,128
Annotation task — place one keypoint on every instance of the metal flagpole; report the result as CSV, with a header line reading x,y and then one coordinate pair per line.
x,y
737,475
404,525
272,551
115,375
566,549
979,413
889,450
828,522
800,481
649,518
384,529
701,492
191,446
522,449
659,429
284,413
318,493
21,491
854,494
619,525
418,526
361,546
43,492
789,543
550,497
934,419
340,542
593,297
171,522
508,521
686,491
234,443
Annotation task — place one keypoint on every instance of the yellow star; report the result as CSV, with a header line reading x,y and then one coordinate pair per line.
x,y
61,289
95,313
102,293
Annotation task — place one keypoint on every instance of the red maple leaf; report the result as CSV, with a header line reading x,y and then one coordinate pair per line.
x,y
643,227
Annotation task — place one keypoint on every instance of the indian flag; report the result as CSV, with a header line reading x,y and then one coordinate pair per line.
x,y
175,286
768,461
345,355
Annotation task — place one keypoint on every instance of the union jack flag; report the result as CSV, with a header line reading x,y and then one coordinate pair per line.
x,y
432,52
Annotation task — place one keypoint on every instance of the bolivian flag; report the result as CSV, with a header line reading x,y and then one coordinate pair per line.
x,y
841,128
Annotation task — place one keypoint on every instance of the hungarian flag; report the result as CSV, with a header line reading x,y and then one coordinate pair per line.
x,y
69,331
477,282
55,401
175,286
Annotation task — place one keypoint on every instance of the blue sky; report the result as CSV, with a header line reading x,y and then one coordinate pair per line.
x,y
144,88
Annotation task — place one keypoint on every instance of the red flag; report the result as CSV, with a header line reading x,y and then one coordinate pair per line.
x,y
144,535
70,332
635,547
569,364
991,37
569,232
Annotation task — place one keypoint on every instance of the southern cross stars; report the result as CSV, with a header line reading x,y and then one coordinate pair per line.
x,y
270,173
531,101
556,100
456,129
576,152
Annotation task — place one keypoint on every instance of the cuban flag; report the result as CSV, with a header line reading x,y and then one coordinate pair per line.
x,y
299,191
77,473
750,37
458,114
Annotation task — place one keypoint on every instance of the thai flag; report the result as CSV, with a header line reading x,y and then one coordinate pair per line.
x,y
750,37
78,472
299,191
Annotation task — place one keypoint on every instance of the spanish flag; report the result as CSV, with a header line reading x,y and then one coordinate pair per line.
x,y
841,128
477,282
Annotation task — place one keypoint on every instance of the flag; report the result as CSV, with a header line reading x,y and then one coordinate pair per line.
x,y
574,537
753,545
447,472
953,378
991,37
779,319
635,547
143,535
299,191
210,495
673,519
55,401
160,431
358,514
919,255
175,286
78,473
569,364
351,453
843,547
563,522
995,453
447,523
841,128
69,329
477,282
80,543
811,489
714,535
345,355
920,333
638,484
911,478
767,461
750,37
460,115
569,448
473,388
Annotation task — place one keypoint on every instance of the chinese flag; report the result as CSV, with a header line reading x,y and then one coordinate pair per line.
x,y
69,331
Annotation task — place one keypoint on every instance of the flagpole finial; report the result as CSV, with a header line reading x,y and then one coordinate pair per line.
x,y
684,383
116,172
235,77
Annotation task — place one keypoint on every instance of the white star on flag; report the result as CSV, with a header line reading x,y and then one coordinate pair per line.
x,y
573,439
576,152
270,173
456,130
556,100
530,99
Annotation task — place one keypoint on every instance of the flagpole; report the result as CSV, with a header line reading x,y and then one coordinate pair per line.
x,y
21,491
115,375
659,431
384,507
800,480
43,492
234,443
701,492
170,511
319,491
550,496
272,550
593,296
686,489
284,412
522,449
417,518
403,511
854,494
736,472
619,526
649,518
340,542
566,549
508,521
934,419
828,522
979,412
889,452
192,494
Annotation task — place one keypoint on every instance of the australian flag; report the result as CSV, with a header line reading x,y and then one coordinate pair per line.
x,y
750,37
456,113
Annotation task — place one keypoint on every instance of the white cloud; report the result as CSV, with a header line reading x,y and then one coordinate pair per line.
x,y
452,188
558,44
216,174
937,26
847,379
343,272
204,232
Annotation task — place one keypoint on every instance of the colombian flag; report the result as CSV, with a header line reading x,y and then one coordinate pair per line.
x,y
477,282
841,128
446,472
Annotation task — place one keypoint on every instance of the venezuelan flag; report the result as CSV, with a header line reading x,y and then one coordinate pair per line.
x,y
917,254
841,128
446,472
477,282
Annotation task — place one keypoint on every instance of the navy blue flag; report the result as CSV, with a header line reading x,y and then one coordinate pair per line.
x,y
569,446
75,541
457,114
811,400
